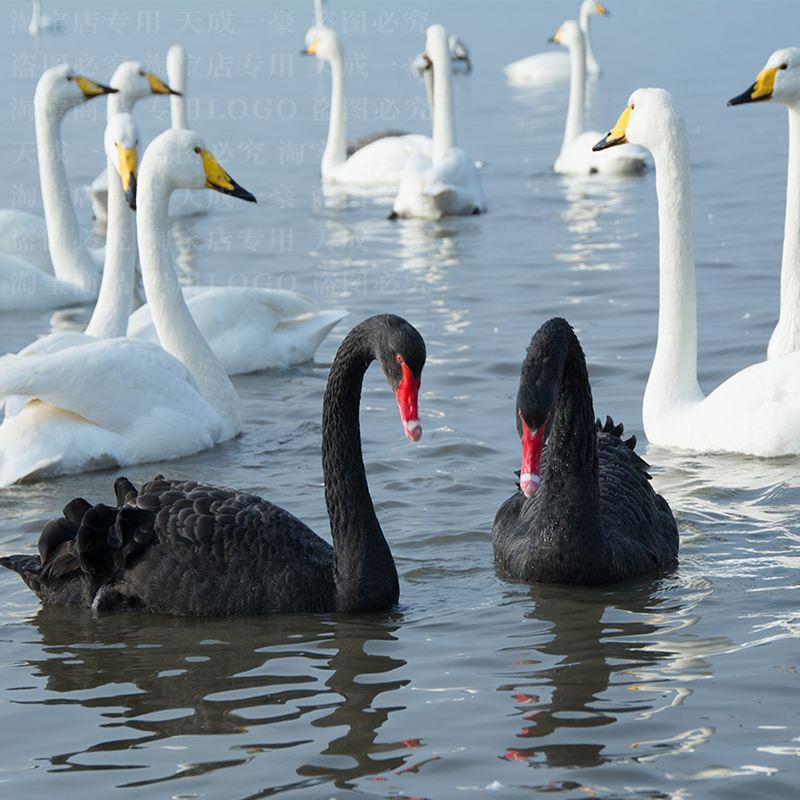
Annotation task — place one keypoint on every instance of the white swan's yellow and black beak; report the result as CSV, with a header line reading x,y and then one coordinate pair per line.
x,y
157,86
556,37
762,88
602,10
128,167
219,180
92,88
311,50
617,134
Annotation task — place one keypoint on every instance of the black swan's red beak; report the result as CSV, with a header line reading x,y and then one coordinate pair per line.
x,y
407,394
530,474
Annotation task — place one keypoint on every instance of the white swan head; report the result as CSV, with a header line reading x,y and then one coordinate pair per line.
x,y
591,8
62,88
437,45
176,59
778,81
649,120
131,79
121,142
322,43
569,35
181,160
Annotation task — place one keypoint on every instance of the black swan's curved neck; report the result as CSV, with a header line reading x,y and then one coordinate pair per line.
x,y
569,485
364,571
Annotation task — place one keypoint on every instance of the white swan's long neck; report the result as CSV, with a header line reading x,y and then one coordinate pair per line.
x,y
110,316
577,94
790,260
591,62
336,148
673,376
176,74
36,17
176,329
71,262
444,131
120,102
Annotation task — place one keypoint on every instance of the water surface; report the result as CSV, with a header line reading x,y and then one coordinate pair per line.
x,y
679,686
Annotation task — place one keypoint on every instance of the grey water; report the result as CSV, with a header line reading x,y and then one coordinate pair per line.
x,y
679,686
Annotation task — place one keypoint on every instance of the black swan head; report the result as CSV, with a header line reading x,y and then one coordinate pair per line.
x,y
539,382
400,351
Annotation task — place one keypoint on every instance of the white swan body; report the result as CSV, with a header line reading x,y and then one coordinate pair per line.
x,y
75,267
447,183
248,328
757,410
43,23
122,401
376,165
544,68
779,82
132,83
576,156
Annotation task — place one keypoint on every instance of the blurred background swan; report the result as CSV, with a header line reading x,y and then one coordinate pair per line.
x,y
544,68
43,23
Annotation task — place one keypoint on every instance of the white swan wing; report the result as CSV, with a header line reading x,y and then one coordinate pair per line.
x,y
537,69
757,410
249,329
52,343
113,401
381,162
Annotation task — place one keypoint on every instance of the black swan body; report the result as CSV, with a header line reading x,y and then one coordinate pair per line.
x,y
181,547
585,512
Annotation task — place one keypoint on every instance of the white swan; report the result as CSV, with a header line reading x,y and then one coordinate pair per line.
x,y
551,67
448,183
779,81
576,156
43,23
378,164
122,401
132,83
757,410
23,283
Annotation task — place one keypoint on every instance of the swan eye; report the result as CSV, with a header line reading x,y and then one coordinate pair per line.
x,y
399,359
197,150
141,72
70,77
783,66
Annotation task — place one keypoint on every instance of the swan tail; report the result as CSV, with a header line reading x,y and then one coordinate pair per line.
x,y
303,336
85,549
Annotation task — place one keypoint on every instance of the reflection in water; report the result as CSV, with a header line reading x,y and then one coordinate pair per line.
x,y
591,242
596,639
166,680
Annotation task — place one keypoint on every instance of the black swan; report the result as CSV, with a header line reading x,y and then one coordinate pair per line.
x,y
585,512
182,547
